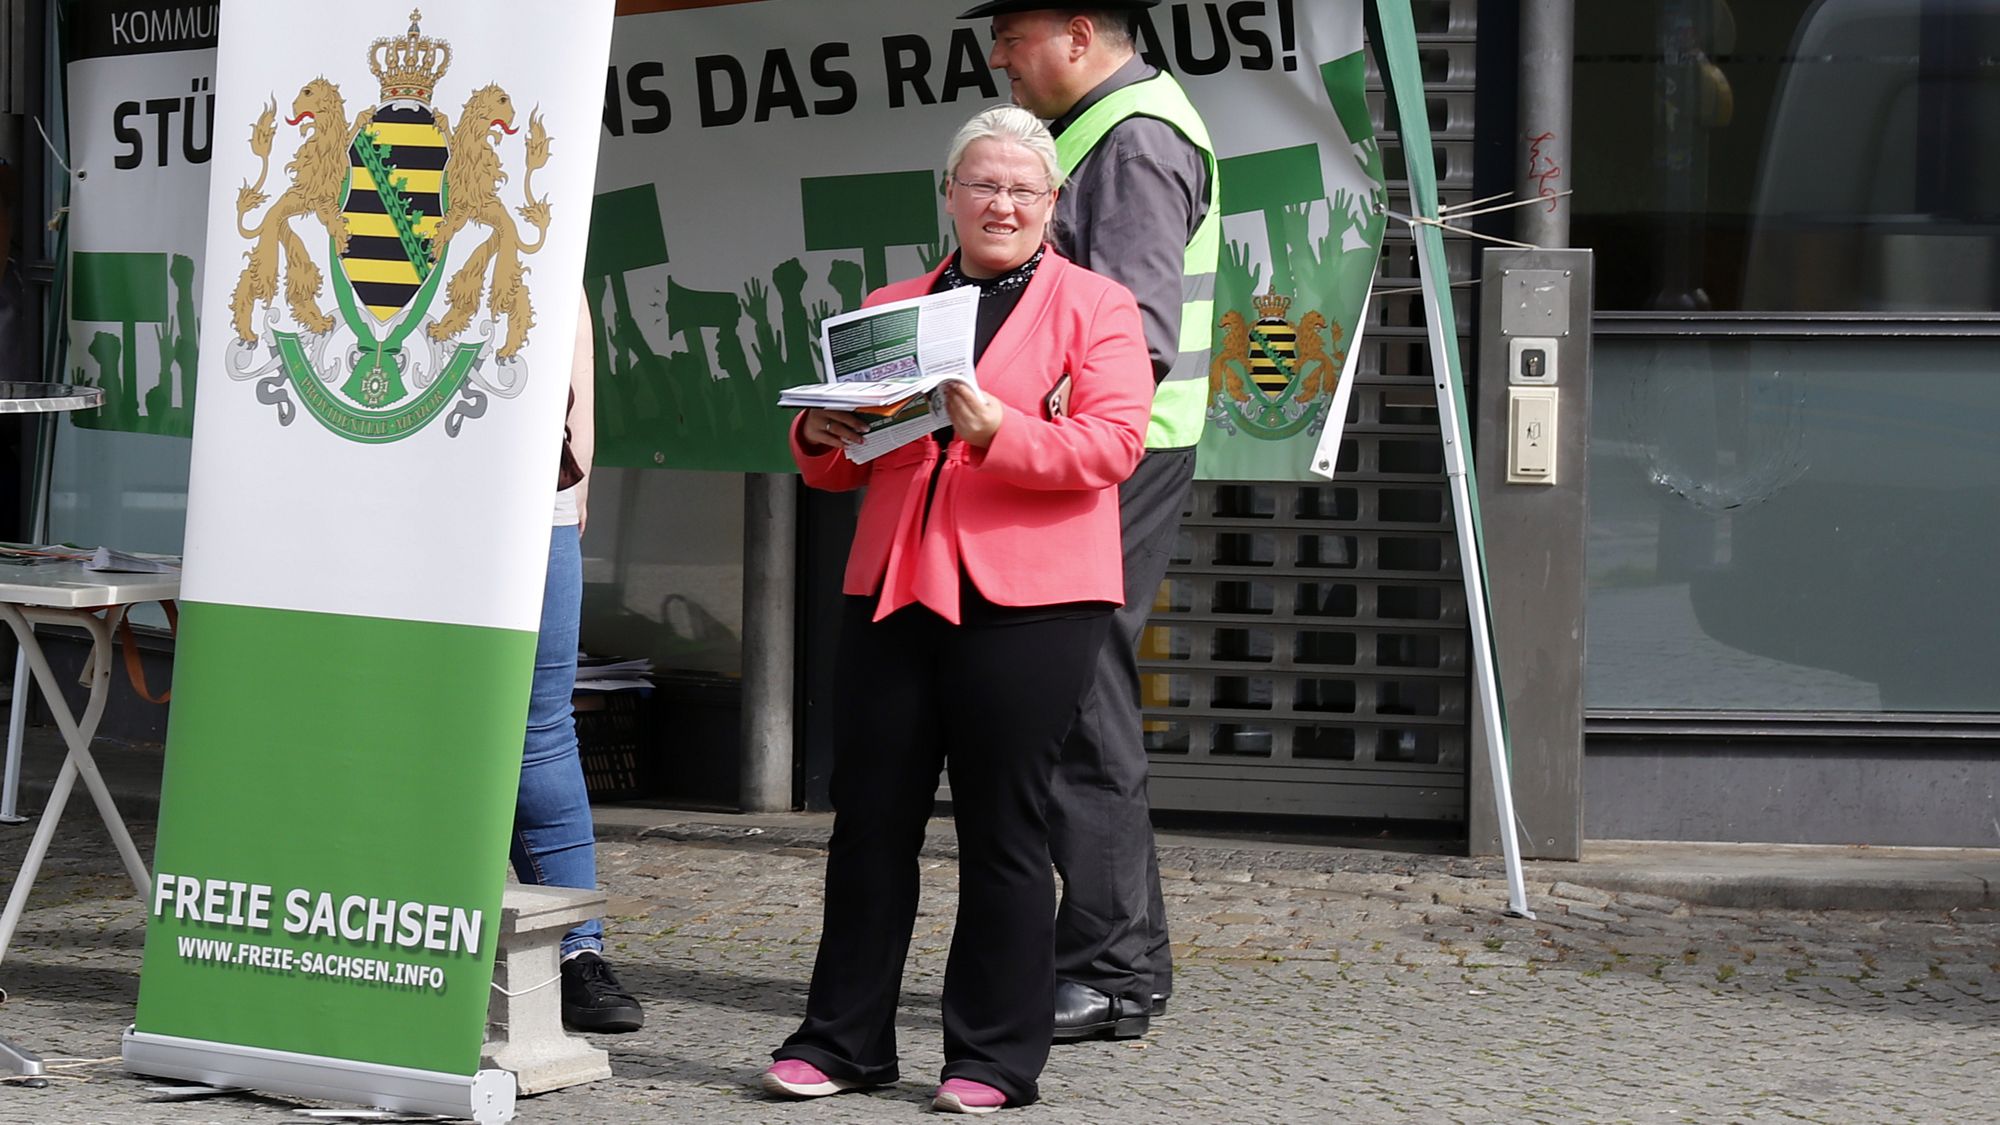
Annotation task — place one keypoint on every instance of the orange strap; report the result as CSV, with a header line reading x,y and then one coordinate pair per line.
x,y
135,671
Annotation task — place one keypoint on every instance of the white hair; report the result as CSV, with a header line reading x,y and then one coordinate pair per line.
x,y
1014,125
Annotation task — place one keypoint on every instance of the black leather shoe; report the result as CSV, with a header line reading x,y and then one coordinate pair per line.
x,y
592,998
1083,1012
1159,1004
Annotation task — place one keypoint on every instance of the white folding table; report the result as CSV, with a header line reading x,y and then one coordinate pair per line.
x,y
64,593
44,401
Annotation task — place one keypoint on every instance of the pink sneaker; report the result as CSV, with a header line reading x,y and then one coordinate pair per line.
x,y
795,1078
963,1095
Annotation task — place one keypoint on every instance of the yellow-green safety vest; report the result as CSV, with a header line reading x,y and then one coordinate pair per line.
x,y
1181,402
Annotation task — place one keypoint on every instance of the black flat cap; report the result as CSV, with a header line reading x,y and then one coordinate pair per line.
x,y
1005,7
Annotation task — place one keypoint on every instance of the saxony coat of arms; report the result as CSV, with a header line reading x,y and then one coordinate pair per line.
x,y
401,197
1291,370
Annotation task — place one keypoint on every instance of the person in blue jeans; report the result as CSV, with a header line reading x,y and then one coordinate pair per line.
x,y
555,843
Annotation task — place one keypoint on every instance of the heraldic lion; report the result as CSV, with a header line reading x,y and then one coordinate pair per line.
x,y
1314,355
318,171
473,177
1232,359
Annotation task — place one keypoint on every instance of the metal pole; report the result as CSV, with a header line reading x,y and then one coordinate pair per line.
x,y
1486,678
17,708
29,47
1548,65
770,546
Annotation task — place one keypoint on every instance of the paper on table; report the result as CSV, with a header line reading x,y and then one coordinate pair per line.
x,y
120,562
26,554
604,667
613,684
612,673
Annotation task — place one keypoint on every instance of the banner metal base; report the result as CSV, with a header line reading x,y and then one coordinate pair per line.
x,y
19,1061
486,1097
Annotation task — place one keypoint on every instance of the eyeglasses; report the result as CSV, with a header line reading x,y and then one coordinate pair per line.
x,y
981,191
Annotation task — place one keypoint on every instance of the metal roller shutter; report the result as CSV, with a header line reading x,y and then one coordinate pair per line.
x,y
1308,651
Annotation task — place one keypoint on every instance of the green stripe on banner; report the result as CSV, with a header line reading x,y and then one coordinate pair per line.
x,y
1404,73
360,770
120,288
1271,181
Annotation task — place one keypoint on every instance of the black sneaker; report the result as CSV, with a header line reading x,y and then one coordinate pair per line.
x,y
592,998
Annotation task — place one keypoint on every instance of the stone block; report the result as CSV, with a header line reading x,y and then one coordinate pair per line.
x,y
524,1029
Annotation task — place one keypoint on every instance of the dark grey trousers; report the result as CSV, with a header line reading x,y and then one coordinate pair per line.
x,y
1111,928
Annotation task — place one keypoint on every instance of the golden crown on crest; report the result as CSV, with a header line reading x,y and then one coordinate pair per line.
x,y
409,66
1272,305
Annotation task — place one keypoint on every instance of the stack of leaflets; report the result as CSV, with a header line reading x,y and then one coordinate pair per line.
x,y
34,554
612,673
101,558
125,562
888,363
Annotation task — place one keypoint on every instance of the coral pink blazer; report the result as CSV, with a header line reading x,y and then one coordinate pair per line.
x,y
1033,518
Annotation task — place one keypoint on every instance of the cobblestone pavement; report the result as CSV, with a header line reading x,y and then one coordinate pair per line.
x,y
1314,985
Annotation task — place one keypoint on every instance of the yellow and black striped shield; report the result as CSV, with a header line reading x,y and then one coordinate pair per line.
x,y
395,199
1274,356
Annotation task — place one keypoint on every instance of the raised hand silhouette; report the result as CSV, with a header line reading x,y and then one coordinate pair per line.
x,y
789,277
816,317
756,303
1236,269
846,278
799,336
934,253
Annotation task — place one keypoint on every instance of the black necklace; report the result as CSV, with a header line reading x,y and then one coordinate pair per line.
x,y
1013,279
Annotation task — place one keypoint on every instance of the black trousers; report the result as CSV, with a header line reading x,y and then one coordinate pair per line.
x,y
991,703
1111,932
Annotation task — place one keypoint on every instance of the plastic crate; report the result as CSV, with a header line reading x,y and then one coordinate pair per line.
x,y
701,739
615,739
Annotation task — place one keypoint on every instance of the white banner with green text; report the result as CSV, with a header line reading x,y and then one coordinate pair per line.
x,y
766,163
396,233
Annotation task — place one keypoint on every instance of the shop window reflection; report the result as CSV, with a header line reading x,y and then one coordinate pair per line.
x,y
1794,525
1802,156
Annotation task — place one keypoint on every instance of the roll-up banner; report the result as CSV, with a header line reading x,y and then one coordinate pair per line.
x,y
767,163
396,233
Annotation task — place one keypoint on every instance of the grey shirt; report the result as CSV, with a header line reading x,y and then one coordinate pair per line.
x,y
1130,208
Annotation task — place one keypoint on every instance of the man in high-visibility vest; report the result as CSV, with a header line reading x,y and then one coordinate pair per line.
x,y
1141,205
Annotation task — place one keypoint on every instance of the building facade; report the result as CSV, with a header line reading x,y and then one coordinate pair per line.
x,y
1793,207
